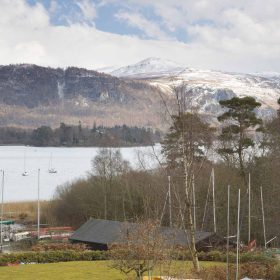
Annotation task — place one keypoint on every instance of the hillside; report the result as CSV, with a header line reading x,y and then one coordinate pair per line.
x,y
150,67
205,88
32,95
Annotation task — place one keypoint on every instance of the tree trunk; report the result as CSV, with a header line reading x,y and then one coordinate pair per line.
x,y
241,163
139,274
190,230
242,168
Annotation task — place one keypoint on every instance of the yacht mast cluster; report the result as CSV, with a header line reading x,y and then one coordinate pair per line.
x,y
51,169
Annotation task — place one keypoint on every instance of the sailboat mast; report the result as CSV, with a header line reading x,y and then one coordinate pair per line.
x,y
264,232
214,203
38,206
169,201
2,210
50,167
228,221
238,236
24,162
249,209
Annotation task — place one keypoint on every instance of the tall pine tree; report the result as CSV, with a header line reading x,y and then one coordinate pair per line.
x,y
240,123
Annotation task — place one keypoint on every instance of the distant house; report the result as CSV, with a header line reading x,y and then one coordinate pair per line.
x,y
100,234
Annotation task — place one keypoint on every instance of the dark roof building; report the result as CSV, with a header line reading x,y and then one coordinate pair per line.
x,y
99,234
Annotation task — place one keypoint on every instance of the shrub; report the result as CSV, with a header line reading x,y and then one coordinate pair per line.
x,y
276,272
42,247
220,256
257,257
212,273
52,256
257,270
252,270
217,256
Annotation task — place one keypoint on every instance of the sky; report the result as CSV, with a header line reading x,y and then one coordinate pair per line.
x,y
230,35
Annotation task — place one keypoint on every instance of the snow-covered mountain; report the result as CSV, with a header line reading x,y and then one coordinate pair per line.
x,y
32,95
205,88
150,67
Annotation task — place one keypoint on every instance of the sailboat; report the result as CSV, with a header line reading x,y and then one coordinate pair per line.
x,y
25,173
51,169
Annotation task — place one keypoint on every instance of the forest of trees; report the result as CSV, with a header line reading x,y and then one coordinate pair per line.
x,y
77,135
243,145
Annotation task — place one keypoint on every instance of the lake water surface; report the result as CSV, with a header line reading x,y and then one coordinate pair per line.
x,y
70,163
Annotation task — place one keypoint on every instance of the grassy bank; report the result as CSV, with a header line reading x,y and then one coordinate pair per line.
x,y
23,210
97,270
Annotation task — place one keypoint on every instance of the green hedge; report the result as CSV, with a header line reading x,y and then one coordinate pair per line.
x,y
52,256
87,255
220,256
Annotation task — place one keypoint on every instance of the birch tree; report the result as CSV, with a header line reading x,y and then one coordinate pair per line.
x,y
185,145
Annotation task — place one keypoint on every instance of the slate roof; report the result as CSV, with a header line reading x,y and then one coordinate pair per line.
x,y
108,232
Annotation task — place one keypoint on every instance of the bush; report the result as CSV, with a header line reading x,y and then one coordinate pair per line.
x,y
211,273
214,256
52,256
220,256
42,247
257,270
252,270
276,272
258,258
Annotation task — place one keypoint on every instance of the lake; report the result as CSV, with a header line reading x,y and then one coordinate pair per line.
x,y
70,163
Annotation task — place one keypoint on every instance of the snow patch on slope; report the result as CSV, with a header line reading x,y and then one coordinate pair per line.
x,y
149,67
205,88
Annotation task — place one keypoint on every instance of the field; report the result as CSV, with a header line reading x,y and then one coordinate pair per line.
x,y
22,210
98,270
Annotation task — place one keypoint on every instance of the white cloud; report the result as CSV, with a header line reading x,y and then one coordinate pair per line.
x,y
28,51
15,13
88,9
53,6
150,29
241,36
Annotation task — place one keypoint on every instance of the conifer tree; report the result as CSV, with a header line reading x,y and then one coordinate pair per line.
x,y
240,123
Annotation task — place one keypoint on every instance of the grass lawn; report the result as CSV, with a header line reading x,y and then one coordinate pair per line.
x,y
97,270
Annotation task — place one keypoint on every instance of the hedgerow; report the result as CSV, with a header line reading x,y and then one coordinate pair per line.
x,y
52,256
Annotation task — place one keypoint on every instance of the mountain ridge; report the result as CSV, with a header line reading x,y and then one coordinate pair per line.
x,y
149,67
32,95
45,95
205,87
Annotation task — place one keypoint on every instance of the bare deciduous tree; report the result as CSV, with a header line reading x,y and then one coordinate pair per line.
x,y
107,164
140,249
